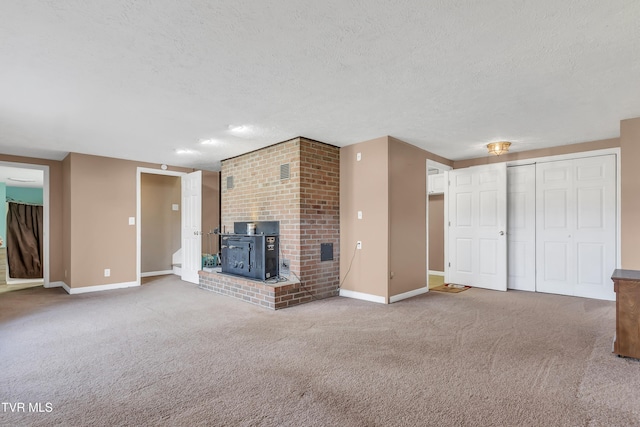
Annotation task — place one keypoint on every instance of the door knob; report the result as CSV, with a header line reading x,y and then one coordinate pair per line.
x,y
502,233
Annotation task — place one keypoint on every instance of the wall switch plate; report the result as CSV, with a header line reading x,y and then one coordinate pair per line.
x,y
132,220
359,245
359,214
358,157
175,207
107,272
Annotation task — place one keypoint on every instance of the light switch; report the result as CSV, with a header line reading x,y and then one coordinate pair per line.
x,y
175,207
359,214
132,220
358,157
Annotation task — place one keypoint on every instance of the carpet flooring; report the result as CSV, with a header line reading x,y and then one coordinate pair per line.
x,y
167,353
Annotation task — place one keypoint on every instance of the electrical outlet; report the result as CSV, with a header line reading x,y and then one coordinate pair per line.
x,y
359,245
107,272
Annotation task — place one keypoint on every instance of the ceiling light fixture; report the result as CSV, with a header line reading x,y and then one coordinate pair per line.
x,y
184,151
498,148
21,179
209,141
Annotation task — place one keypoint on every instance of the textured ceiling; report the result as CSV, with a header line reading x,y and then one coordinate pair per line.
x,y
142,79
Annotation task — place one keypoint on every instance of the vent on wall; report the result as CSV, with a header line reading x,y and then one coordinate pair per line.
x,y
284,171
229,182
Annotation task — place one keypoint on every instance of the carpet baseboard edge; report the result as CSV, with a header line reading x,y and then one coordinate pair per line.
x,y
362,296
405,295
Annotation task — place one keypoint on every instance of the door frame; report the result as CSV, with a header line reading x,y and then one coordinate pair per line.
x,y
45,221
442,168
139,173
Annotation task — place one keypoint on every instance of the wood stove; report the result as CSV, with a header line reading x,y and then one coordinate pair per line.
x,y
252,255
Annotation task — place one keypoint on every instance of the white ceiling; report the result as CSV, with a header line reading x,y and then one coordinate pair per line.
x,y
142,79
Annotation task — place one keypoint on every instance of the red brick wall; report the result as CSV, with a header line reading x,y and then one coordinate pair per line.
x,y
258,194
306,204
319,216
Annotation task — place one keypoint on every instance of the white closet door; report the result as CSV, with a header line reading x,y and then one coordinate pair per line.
x,y
595,235
576,226
477,244
554,226
521,228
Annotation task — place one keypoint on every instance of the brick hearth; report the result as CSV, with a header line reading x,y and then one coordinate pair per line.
x,y
274,296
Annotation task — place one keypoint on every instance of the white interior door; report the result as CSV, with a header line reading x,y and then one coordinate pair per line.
x,y
576,227
476,234
521,227
191,225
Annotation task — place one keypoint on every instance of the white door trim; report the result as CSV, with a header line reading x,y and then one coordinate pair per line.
x,y
443,168
139,173
45,220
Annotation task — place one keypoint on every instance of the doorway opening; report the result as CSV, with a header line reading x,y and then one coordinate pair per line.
x,y
24,190
435,223
158,219
159,224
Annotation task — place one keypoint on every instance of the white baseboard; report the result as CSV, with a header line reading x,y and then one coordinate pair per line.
x,y
436,273
362,296
98,288
54,285
156,273
409,294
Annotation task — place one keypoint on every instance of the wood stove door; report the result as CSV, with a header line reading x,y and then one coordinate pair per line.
x,y
237,259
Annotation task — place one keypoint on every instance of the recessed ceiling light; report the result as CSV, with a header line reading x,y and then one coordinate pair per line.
x,y
242,130
184,151
209,141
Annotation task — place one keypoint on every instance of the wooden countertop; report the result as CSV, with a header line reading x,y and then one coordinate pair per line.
x,y
620,274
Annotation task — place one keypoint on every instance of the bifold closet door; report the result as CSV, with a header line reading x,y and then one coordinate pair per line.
x,y
576,226
521,227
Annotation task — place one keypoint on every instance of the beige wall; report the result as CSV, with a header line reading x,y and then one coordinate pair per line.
x,y
407,217
389,185
56,269
630,188
103,197
544,152
436,232
364,186
160,229
210,210
90,201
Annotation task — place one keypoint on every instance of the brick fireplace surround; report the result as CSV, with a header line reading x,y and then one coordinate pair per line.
x,y
255,187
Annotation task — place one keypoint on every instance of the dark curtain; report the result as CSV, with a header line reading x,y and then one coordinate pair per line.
x,y
24,241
